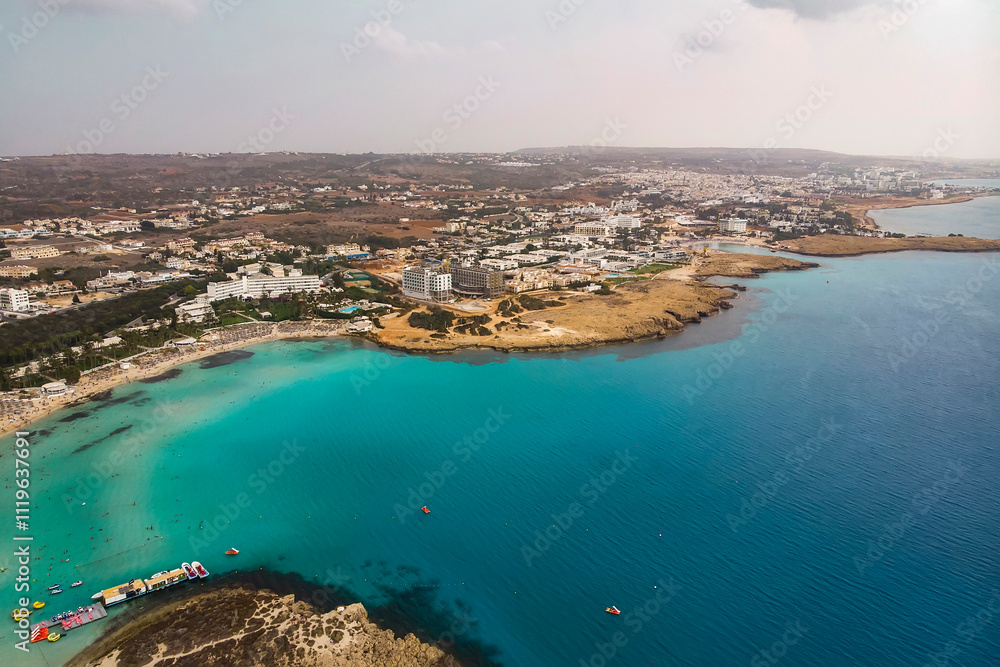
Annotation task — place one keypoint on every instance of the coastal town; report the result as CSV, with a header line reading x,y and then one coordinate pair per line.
x,y
433,254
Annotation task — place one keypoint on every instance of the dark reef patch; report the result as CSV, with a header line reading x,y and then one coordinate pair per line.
x,y
117,431
73,417
165,375
224,359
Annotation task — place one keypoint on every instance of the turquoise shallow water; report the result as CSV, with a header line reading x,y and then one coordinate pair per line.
x,y
832,469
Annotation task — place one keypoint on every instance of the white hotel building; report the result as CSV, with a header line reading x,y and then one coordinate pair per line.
x,y
259,285
426,284
13,300
733,226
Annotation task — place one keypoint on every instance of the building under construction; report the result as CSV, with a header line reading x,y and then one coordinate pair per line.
x,y
477,281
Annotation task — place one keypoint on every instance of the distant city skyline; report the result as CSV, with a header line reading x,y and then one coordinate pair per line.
x,y
861,77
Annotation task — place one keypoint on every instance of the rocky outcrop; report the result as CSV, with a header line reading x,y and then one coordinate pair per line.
x,y
237,626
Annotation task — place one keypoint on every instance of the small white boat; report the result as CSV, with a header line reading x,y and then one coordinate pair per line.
x,y
202,572
189,571
76,583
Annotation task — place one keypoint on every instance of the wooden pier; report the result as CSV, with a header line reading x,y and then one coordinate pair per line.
x,y
75,618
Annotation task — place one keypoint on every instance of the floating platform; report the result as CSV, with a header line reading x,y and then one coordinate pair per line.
x,y
75,618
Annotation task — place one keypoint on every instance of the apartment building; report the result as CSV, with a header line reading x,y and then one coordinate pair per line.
x,y
17,271
13,300
34,252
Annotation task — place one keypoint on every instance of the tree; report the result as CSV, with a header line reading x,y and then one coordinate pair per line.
x,y
190,291
76,298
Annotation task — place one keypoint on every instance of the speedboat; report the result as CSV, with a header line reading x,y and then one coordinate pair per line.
x,y
52,588
232,552
97,596
613,610
38,605
76,583
202,572
189,571
56,591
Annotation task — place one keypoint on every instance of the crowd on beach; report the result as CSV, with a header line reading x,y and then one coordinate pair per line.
x,y
18,409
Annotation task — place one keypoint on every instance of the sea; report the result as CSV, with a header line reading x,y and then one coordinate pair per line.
x,y
979,217
809,478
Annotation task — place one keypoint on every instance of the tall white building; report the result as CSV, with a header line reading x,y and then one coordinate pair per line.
x,y
14,300
733,226
426,284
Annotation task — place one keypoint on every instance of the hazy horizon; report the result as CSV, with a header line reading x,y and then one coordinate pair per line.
x,y
856,77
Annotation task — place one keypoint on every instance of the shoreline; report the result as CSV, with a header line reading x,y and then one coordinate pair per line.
x,y
869,222
831,245
302,604
158,362
697,299
633,312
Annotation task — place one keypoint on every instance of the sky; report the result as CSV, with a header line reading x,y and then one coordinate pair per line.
x,y
909,78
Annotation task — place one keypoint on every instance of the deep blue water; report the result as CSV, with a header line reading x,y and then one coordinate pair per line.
x,y
747,486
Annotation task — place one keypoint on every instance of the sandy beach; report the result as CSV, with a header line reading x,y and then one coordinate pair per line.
x,y
18,414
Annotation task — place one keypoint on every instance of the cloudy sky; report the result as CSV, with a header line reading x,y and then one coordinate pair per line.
x,y
142,76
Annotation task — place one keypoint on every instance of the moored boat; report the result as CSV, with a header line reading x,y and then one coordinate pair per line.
x,y
38,605
76,583
56,591
202,572
191,574
54,638
55,586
